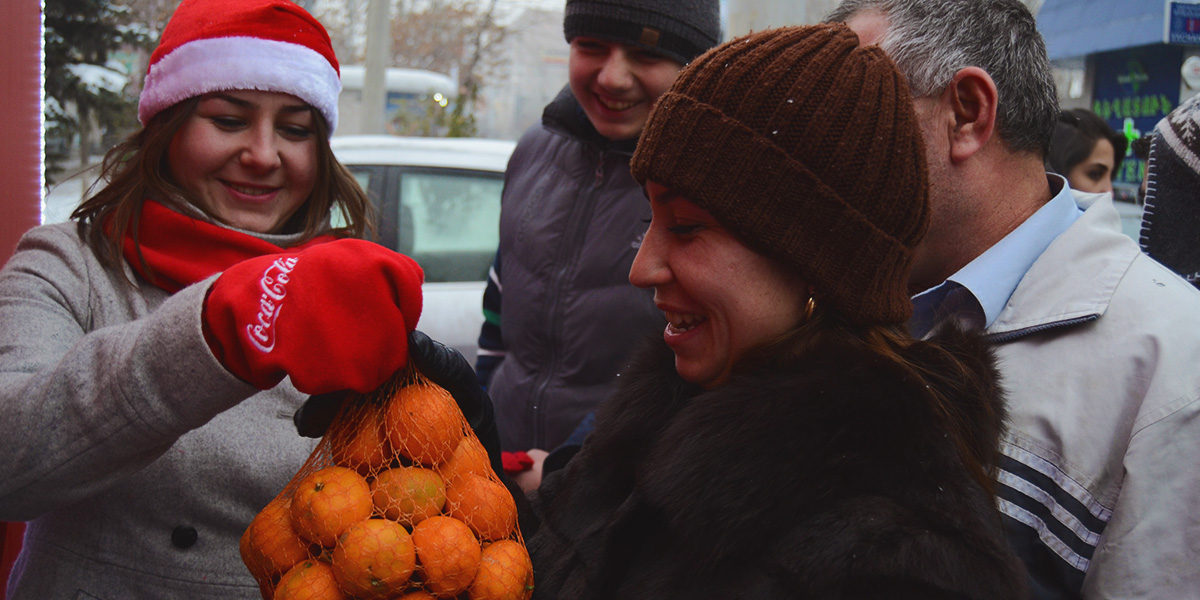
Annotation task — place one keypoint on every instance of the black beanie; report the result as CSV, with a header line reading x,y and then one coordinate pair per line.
x,y
678,29
805,146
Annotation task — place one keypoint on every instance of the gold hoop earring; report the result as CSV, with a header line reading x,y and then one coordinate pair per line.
x,y
808,310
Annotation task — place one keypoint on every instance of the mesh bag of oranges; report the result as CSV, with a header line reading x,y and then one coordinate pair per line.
x,y
398,500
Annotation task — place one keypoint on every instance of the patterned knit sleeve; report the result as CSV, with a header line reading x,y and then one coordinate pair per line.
x,y
491,341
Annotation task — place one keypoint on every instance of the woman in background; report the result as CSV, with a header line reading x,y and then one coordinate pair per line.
x,y
1086,151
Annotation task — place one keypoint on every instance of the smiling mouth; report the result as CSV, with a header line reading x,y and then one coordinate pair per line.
x,y
680,322
249,191
616,106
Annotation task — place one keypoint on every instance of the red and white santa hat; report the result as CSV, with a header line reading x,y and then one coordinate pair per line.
x,y
268,45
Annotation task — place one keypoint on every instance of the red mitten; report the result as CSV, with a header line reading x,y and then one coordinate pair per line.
x,y
516,462
333,317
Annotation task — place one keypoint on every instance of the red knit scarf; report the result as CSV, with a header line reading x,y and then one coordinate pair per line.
x,y
181,250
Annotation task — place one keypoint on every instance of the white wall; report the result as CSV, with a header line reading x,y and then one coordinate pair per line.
x,y
535,57
744,16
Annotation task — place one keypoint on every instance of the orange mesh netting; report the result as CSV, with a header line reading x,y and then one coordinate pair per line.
x,y
398,500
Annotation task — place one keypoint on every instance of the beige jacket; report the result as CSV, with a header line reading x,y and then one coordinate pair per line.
x,y
1099,348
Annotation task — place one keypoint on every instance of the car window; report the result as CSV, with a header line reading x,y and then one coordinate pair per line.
x,y
449,222
445,219
364,177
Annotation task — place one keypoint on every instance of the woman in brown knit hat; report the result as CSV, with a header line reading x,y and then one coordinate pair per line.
x,y
785,437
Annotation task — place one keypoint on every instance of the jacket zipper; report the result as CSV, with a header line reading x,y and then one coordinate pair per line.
x,y
1001,338
568,257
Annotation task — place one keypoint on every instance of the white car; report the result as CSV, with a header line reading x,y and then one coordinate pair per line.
x,y
438,201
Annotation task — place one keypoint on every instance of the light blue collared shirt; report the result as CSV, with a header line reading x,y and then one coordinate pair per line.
x,y
975,295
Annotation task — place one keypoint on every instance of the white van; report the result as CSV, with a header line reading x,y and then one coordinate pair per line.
x,y
411,90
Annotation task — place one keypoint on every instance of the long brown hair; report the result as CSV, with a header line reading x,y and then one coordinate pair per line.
x,y
136,169
942,373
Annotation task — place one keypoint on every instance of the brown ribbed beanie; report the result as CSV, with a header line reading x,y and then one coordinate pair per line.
x,y
805,146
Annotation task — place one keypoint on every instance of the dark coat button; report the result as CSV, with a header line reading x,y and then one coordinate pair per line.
x,y
184,536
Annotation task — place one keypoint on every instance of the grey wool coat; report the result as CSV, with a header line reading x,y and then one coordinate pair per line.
x,y
135,457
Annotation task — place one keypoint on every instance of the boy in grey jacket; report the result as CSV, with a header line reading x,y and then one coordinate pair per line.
x,y
572,219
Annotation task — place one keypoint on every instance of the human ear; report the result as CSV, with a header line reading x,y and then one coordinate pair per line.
x,y
972,98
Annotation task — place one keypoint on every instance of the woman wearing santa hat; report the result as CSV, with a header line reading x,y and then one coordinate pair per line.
x,y
154,349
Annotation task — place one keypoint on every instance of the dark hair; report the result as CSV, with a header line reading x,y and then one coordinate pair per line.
x,y
937,368
1141,146
1075,138
931,40
136,169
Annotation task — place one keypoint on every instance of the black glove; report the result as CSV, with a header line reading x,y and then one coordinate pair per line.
x,y
444,366
313,417
448,368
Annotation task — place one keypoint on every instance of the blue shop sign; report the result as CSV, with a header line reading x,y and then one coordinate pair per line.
x,y
1134,89
1184,24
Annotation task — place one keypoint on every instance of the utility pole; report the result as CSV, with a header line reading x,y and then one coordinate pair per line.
x,y
379,48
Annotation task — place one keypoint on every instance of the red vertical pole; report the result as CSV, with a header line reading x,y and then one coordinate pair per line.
x,y
13,534
20,120
20,164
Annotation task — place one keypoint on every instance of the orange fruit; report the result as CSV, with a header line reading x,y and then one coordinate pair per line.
x,y
448,553
505,573
408,494
468,457
423,423
483,504
270,545
374,558
328,501
360,443
417,595
309,580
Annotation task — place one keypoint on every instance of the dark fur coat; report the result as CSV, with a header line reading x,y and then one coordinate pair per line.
x,y
828,477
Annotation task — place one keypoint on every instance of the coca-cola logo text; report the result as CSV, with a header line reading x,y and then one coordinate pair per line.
x,y
274,289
